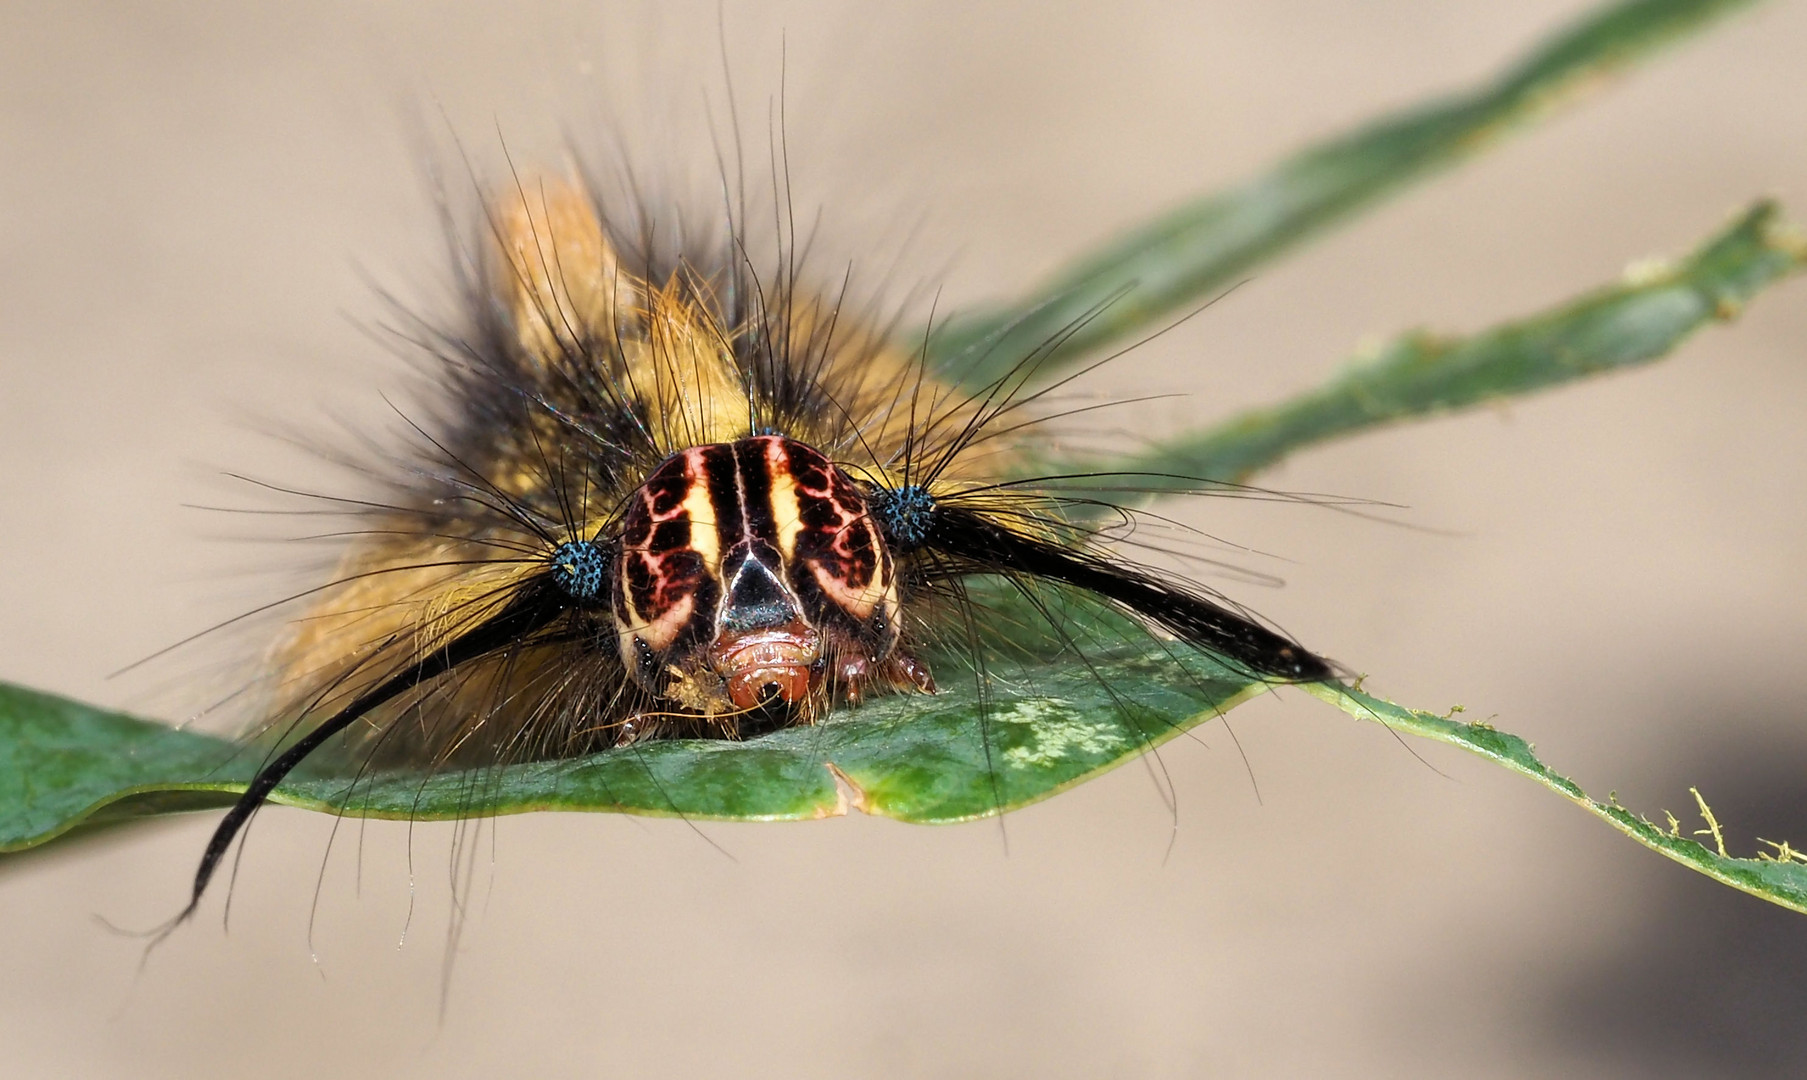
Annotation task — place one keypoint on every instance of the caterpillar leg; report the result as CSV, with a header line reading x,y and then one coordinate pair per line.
x,y
899,671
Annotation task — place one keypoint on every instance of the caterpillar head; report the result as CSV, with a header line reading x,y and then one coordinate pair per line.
x,y
751,574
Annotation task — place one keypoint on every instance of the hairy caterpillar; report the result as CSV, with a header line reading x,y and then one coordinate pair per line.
x,y
674,494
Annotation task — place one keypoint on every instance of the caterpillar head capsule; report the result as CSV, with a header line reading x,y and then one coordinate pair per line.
x,y
751,574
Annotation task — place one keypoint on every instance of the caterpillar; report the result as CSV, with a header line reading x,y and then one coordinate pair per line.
x,y
671,493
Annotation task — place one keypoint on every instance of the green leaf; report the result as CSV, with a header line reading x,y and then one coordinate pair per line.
x,y
1042,728
1636,320
64,764
1180,258
928,761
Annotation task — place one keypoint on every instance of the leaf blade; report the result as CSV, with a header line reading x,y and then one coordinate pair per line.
x,y
1182,257
64,764
859,763
1631,322
962,754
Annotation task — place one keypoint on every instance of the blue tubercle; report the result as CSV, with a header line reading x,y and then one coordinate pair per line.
x,y
904,513
581,569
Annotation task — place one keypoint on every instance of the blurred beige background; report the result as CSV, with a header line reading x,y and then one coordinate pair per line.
x,y
193,199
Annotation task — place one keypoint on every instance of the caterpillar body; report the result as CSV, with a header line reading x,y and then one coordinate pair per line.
x,y
668,495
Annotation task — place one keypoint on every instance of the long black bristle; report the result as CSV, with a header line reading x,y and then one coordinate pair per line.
x,y
532,608
983,546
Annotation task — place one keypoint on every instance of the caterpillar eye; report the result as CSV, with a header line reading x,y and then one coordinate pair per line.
x,y
581,569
